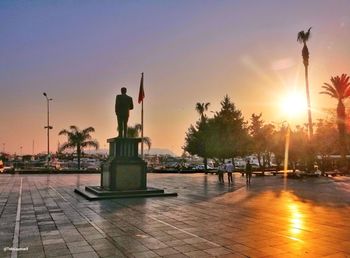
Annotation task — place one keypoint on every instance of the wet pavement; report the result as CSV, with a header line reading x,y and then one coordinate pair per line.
x,y
41,216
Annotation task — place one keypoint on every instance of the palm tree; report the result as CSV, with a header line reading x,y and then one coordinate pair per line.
x,y
134,132
339,89
302,38
201,108
78,139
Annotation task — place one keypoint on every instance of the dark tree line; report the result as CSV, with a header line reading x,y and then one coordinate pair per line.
x,y
228,135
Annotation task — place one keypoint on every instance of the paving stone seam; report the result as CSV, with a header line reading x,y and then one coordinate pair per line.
x,y
88,220
163,222
108,238
184,231
18,219
6,190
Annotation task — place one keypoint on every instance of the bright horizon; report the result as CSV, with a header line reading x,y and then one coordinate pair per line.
x,y
81,53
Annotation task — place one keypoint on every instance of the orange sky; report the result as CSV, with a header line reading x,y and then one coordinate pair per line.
x,y
193,51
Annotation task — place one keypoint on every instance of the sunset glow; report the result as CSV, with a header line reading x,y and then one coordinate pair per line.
x,y
81,54
294,104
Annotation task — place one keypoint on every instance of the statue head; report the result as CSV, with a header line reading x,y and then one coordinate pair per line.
x,y
123,90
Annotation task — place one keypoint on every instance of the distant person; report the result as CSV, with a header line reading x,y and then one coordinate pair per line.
x,y
229,167
123,104
221,170
248,172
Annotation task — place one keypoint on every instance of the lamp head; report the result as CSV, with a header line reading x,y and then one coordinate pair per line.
x,y
45,94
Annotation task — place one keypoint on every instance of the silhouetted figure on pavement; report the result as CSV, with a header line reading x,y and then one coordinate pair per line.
x,y
123,104
248,172
221,170
229,167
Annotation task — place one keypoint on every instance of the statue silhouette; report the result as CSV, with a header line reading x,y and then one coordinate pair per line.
x,y
123,104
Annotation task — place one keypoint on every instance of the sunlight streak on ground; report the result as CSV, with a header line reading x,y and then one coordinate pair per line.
x,y
286,159
296,220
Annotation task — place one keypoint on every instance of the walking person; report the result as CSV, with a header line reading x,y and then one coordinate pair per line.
x,y
221,170
229,170
248,172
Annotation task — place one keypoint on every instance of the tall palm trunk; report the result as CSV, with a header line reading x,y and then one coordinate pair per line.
x,y
342,130
305,53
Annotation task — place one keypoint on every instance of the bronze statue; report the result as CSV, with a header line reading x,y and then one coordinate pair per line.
x,y
123,104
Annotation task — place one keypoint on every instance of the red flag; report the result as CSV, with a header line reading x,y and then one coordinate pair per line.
x,y
141,92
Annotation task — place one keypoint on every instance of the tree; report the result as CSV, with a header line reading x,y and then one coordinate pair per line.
x,y
303,37
325,142
340,90
230,134
261,134
196,140
134,132
78,139
221,137
298,147
197,137
278,142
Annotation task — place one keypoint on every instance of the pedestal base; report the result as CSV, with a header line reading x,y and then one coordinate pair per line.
x,y
93,193
123,175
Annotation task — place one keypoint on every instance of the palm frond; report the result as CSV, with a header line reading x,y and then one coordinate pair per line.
x,y
300,36
308,34
132,133
147,141
339,87
304,36
92,143
88,130
77,138
63,132
138,127
66,145
200,108
328,93
330,89
74,128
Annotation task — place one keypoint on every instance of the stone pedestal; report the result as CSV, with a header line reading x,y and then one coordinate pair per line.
x,y
124,169
123,175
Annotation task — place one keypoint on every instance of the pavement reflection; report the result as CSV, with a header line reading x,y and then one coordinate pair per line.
x,y
307,218
296,221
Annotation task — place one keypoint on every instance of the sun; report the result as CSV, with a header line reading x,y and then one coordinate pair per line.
x,y
293,104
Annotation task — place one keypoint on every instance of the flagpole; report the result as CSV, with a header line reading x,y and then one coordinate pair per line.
x,y
142,129
142,124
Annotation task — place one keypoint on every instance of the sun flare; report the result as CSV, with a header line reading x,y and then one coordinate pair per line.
x,y
293,104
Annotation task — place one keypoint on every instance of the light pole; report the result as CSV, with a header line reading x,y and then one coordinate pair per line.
x,y
286,150
48,127
3,147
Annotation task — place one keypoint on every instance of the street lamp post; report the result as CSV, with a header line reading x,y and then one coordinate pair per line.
x,y
48,127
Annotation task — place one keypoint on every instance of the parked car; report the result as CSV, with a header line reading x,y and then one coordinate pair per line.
x,y
202,167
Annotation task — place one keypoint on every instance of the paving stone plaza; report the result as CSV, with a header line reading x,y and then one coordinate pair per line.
x,y
41,216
